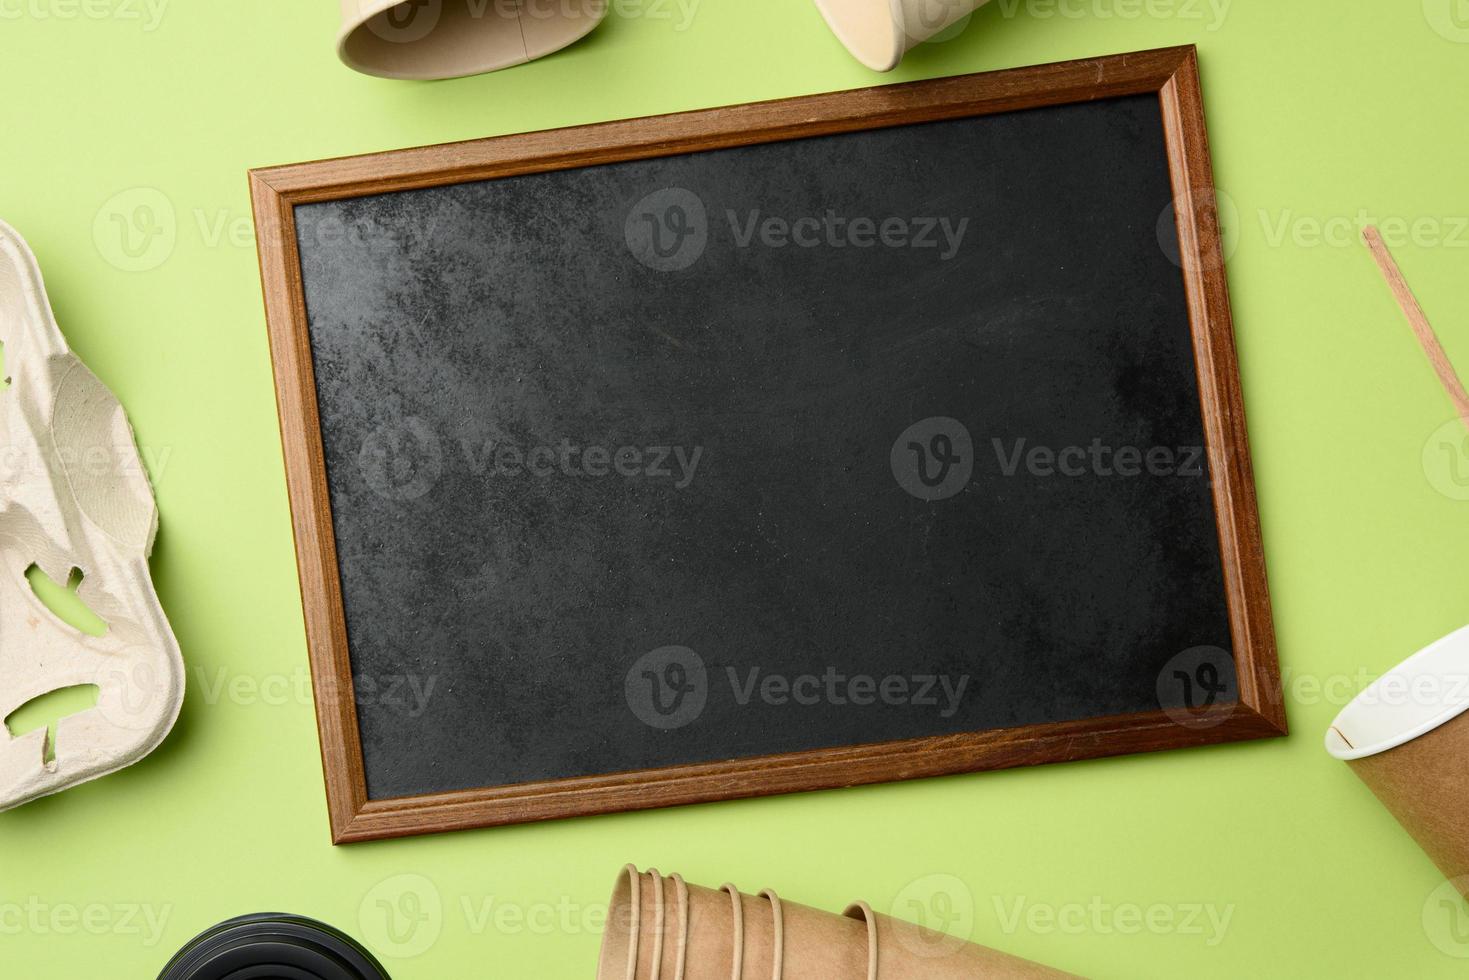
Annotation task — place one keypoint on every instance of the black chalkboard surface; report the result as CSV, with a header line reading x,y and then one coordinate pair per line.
x,y
791,460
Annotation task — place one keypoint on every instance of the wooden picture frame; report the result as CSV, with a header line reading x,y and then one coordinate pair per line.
x,y
1171,73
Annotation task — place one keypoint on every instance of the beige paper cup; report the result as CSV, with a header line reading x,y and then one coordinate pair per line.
x,y
1407,737
715,937
620,936
903,951
880,32
661,928
820,945
646,933
730,934
425,39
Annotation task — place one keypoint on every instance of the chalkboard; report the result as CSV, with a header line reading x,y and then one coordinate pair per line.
x,y
795,445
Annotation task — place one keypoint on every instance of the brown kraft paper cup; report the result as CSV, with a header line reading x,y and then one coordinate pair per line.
x,y
644,935
661,928
775,939
1407,737
903,951
818,945
665,929
425,39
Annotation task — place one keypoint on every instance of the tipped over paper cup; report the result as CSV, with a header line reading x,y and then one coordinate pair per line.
x,y
661,927
1407,737
880,32
424,39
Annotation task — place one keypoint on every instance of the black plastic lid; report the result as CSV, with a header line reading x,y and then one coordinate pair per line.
x,y
273,947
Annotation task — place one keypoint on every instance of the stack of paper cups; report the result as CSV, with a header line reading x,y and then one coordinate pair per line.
x,y
1407,736
666,929
880,32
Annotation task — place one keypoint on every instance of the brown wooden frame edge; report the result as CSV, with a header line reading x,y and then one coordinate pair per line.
x,y
1170,72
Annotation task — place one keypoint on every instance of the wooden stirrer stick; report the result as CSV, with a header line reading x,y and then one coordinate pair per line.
x,y
1418,321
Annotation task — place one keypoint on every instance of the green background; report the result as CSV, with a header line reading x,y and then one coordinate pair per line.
x,y
1317,109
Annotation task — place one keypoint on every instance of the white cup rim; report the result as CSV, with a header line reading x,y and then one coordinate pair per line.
x,y
1420,694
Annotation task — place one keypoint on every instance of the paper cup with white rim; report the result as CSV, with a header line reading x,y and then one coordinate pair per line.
x,y
426,39
1406,735
880,32
903,951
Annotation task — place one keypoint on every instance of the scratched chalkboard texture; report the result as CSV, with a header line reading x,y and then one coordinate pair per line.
x,y
805,444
